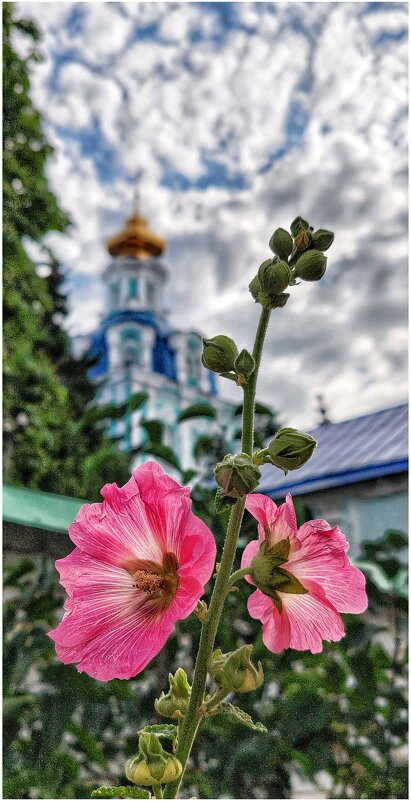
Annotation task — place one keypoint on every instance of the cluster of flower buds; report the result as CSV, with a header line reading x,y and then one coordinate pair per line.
x,y
299,255
174,704
235,672
289,450
269,576
237,475
220,354
153,765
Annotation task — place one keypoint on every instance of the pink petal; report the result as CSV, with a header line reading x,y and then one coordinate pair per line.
x,y
323,559
305,621
260,606
262,508
250,550
102,595
285,523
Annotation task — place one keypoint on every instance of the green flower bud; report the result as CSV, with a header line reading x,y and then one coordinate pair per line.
x,y
269,576
274,277
322,239
237,475
219,354
290,449
255,287
281,243
235,671
244,365
310,266
153,765
174,704
278,301
299,224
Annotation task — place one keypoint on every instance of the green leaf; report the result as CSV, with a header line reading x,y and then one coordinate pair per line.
x,y
162,452
155,430
120,792
165,730
137,400
242,717
197,410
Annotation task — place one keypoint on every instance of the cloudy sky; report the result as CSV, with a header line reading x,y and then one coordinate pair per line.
x,y
242,116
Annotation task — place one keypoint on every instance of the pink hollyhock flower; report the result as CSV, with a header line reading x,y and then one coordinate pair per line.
x,y
141,562
307,574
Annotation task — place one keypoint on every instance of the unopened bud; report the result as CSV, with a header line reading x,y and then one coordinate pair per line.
x,y
302,240
244,364
274,277
235,671
174,704
153,765
310,266
290,449
255,287
299,224
237,475
279,301
281,243
322,239
219,354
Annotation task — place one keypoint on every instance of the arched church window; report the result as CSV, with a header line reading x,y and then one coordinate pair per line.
x,y
114,296
151,294
133,288
193,362
131,347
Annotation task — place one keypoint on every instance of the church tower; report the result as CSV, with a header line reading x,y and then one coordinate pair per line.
x,y
137,350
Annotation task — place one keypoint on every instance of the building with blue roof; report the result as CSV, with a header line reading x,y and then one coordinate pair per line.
x,y
357,477
135,349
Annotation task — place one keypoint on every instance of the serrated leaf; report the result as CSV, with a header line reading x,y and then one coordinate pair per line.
x,y
165,730
197,410
120,792
242,717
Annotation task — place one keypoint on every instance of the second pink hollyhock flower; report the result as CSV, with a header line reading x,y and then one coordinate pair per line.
x,y
141,562
308,575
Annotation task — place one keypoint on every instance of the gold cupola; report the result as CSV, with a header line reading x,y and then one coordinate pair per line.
x,y
136,240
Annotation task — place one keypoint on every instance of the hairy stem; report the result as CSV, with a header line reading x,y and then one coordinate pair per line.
x,y
194,716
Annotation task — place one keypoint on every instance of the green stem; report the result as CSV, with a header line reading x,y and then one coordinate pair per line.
x,y
216,698
194,716
157,791
239,574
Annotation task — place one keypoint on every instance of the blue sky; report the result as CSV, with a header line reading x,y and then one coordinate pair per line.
x,y
241,116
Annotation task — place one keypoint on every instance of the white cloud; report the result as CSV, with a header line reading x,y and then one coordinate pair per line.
x,y
202,93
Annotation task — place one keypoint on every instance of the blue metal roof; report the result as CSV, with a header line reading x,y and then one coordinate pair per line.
x,y
354,450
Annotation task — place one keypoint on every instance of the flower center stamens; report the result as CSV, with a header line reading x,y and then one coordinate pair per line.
x,y
158,582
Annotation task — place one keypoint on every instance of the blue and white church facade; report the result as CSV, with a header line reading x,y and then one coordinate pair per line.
x,y
137,350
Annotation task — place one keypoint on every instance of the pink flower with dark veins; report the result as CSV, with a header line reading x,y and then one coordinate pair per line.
x,y
141,562
304,578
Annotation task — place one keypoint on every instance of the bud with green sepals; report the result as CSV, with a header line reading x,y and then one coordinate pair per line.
x,y
235,672
310,266
153,765
268,574
219,354
174,704
281,243
237,475
290,449
322,239
274,277
244,365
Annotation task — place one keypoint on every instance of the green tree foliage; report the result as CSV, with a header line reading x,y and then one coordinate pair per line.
x,y
342,712
46,390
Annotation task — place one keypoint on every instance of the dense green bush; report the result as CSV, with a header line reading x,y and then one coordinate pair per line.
x,y
343,711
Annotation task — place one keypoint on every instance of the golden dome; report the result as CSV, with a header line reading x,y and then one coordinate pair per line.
x,y
136,240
